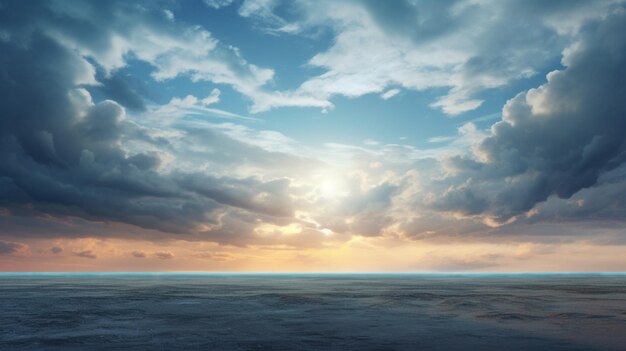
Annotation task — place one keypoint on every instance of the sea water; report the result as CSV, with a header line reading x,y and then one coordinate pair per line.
x,y
202,311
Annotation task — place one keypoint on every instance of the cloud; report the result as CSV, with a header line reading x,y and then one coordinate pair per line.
x,y
558,155
389,94
192,106
441,139
73,164
56,250
138,254
109,34
464,46
557,139
217,4
12,248
164,255
264,12
123,89
113,34
551,169
215,256
86,254
67,156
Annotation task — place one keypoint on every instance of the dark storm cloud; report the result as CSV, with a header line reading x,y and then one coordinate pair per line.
x,y
271,198
63,155
124,90
84,23
11,248
564,137
461,199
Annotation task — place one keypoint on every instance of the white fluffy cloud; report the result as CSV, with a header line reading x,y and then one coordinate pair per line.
x,y
465,46
174,49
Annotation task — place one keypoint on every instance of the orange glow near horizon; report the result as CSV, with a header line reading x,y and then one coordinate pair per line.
x,y
357,255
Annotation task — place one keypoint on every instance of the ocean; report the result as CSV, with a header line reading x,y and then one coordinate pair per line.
x,y
211,311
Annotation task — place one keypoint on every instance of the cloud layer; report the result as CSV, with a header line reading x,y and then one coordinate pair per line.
x,y
64,155
554,140
463,46
83,153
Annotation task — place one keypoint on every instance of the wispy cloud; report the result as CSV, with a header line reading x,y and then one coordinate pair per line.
x,y
164,255
86,254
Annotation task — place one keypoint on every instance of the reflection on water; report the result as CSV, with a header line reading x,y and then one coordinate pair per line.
x,y
312,312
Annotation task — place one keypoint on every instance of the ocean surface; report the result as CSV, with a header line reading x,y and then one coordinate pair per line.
x,y
143,311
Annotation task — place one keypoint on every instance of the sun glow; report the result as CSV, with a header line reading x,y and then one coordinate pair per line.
x,y
331,187
328,189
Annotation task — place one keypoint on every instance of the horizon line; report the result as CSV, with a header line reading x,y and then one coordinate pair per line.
x,y
309,273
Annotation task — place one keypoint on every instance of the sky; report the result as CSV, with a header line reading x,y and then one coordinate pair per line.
x,y
313,136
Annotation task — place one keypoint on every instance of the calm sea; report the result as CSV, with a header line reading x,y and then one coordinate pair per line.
x,y
193,311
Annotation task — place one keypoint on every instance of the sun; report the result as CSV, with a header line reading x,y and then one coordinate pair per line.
x,y
328,189
331,187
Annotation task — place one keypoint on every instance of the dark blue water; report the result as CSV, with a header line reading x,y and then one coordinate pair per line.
x,y
312,312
